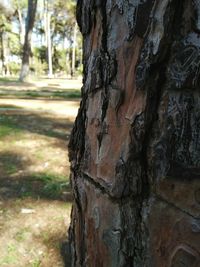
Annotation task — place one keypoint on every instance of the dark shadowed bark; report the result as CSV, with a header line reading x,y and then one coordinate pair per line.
x,y
32,6
135,146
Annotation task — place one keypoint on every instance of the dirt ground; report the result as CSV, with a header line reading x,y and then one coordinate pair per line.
x,y
35,195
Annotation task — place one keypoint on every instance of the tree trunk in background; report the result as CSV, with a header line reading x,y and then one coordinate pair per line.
x,y
135,145
49,46
32,6
5,52
48,40
2,54
21,27
74,51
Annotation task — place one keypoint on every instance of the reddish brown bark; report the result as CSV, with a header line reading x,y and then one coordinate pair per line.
x,y
135,146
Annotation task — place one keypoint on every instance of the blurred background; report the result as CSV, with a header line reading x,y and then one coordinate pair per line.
x,y
40,89
56,45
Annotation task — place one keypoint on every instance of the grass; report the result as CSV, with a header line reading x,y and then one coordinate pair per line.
x,y
38,186
7,126
19,124
69,94
6,130
20,236
11,87
8,79
34,174
52,185
48,177
36,263
3,107
10,167
11,257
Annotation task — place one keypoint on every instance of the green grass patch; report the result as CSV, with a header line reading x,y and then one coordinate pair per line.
x,y
6,130
7,126
21,235
36,263
53,185
52,190
10,168
9,107
11,257
45,185
32,94
68,94
64,94
47,177
8,79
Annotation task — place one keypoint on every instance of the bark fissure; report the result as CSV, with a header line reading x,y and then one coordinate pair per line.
x,y
155,87
160,198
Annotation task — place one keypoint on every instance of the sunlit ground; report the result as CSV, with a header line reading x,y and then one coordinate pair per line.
x,y
35,196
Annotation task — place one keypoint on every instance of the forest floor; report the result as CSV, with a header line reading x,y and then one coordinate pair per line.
x,y
35,198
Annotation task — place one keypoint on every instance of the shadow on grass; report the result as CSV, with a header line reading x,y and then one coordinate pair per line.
x,y
11,81
44,92
35,123
15,182
18,184
8,79
11,163
9,107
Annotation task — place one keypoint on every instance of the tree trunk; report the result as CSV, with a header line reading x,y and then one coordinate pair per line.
x,y
135,145
21,27
48,39
74,50
2,54
49,46
32,6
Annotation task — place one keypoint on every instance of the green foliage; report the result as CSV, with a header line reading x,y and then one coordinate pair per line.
x,y
14,45
59,60
14,67
40,53
22,4
5,25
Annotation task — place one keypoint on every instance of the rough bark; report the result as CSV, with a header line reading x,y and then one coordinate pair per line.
x,y
32,6
135,145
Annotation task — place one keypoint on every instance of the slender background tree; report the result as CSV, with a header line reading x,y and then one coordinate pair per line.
x,y
32,6
135,146
6,13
